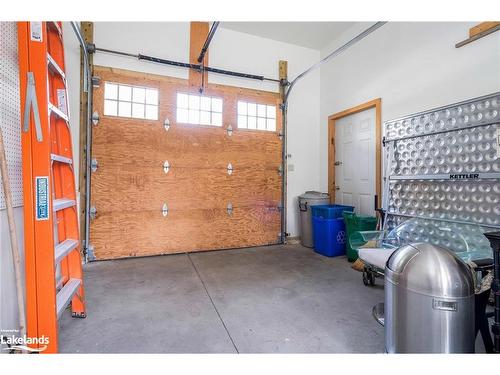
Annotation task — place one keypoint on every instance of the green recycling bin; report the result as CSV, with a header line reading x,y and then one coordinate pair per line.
x,y
354,224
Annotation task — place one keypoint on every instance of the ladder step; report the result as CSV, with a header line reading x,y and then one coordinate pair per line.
x,y
61,159
54,66
57,112
65,295
59,282
64,248
55,26
61,204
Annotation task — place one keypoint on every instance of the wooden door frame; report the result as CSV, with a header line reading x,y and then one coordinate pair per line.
x,y
332,119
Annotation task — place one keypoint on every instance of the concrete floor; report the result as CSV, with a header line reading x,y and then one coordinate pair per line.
x,y
277,299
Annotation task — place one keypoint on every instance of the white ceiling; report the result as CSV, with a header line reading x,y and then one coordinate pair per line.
x,y
314,35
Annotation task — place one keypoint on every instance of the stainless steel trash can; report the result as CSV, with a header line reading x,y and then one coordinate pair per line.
x,y
306,200
429,301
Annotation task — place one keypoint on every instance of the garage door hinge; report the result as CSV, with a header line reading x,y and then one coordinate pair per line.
x,y
280,170
282,237
96,81
93,212
229,209
230,169
95,118
164,210
166,124
280,135
94,165
229,130
338,163
166,166
89,253
279,207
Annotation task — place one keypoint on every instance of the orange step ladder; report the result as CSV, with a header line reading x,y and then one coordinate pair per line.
x,y
54,277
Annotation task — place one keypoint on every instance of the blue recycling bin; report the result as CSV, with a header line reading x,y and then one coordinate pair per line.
x,y
329,234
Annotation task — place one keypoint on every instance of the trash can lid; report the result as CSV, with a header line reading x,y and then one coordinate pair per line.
x,y
314,195
430,270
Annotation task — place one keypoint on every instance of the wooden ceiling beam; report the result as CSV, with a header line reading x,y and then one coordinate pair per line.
x,y
197,36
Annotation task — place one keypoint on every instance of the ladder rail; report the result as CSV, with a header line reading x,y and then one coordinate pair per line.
x,y
59,128
28,190
65,175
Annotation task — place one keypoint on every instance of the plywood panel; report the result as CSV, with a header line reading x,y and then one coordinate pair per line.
x,y
130,186
184,146
184,189
128,234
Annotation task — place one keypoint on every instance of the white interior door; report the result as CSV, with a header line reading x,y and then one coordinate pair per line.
x,y
355,159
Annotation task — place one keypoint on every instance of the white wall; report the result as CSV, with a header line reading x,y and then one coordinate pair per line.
x,y
412,66
168,40
229,50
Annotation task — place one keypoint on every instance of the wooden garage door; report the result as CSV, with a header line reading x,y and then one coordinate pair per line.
x,y
130,187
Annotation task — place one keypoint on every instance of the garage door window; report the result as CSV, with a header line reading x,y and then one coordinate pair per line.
x,y
256,116
199,110
130,101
